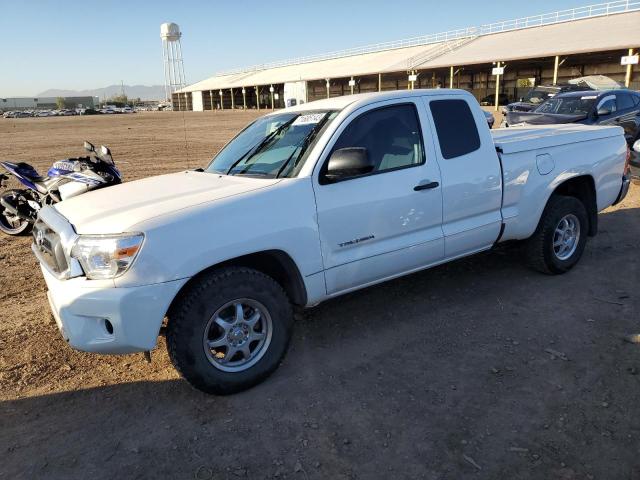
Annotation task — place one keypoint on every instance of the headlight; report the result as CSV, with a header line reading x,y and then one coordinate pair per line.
x,y
106,256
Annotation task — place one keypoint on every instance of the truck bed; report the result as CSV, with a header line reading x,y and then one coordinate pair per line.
x,y
520,139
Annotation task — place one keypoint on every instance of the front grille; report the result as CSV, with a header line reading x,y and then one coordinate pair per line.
x,y
48,247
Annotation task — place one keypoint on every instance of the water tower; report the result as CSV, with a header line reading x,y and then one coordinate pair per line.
x,y
172,58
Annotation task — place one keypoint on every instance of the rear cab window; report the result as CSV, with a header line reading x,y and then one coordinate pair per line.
x,y
455,126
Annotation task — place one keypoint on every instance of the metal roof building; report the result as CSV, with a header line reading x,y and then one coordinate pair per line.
x,y
45,103
547,48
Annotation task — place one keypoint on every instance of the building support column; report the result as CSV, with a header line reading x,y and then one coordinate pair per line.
x,y
450,77
258,98
379,82
497,99
328,85
627,77
221,100
271,89
244,98
351,84
233,106
556,64
211,99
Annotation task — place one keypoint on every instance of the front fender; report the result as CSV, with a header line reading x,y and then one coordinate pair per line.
x,y
181,244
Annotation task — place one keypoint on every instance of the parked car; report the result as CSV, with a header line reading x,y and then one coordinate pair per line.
x,y
503,99
634,161
304,205
609,107
541,93
535,97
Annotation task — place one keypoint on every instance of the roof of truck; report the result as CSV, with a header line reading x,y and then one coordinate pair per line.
x,y
338,103
594,93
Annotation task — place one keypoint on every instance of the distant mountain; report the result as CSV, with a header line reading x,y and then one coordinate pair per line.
x,y
144,92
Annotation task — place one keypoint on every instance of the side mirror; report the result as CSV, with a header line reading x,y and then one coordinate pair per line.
x,y
603,111
89,147
348,162
636,146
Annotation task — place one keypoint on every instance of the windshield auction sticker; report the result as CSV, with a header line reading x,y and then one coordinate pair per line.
x,y
309,119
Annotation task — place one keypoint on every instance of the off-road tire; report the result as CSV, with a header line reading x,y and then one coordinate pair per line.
x,y
190,314
538,249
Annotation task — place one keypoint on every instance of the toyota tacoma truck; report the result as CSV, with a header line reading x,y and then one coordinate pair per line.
x,y
306,204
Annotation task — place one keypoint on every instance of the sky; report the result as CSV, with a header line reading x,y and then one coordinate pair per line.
x,y
90,44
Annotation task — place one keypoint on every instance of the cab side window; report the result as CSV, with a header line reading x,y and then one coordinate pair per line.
x,y
625,101
455,126
391,136
608,104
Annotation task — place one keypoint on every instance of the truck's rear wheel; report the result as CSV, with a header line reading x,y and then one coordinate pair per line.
x,y
559,241
230,330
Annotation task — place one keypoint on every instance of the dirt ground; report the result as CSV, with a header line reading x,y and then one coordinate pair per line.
x,y
476,369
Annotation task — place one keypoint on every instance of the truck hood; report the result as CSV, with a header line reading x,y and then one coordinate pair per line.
x,y
116,209
532,118
520,107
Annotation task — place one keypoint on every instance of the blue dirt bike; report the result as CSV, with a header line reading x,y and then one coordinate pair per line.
x,y
65,179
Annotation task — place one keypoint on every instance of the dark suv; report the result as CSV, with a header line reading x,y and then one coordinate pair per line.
x,y
590,107
537,95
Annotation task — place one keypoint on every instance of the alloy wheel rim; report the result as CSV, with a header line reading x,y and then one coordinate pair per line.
x,y
238,335
566,237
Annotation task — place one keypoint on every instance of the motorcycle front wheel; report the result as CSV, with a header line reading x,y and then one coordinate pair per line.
x,y
12,224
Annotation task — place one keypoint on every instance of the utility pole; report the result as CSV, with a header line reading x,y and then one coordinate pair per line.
x,y
497,99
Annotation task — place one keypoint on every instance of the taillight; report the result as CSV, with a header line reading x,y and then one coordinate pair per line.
x,y
627,168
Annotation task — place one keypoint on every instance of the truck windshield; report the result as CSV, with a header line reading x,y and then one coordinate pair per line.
x,y
573,105
273,146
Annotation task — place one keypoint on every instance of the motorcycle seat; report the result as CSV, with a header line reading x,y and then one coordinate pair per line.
x,y
28,172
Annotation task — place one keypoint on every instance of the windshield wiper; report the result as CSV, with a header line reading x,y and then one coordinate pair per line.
x,y
303,146
253,150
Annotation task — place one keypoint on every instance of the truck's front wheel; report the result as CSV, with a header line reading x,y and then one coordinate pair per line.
x,y
558,242
230,330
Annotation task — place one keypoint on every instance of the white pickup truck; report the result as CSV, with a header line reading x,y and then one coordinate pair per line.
x,y
306,204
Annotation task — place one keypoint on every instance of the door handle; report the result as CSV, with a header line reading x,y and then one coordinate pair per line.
x,y
426,186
